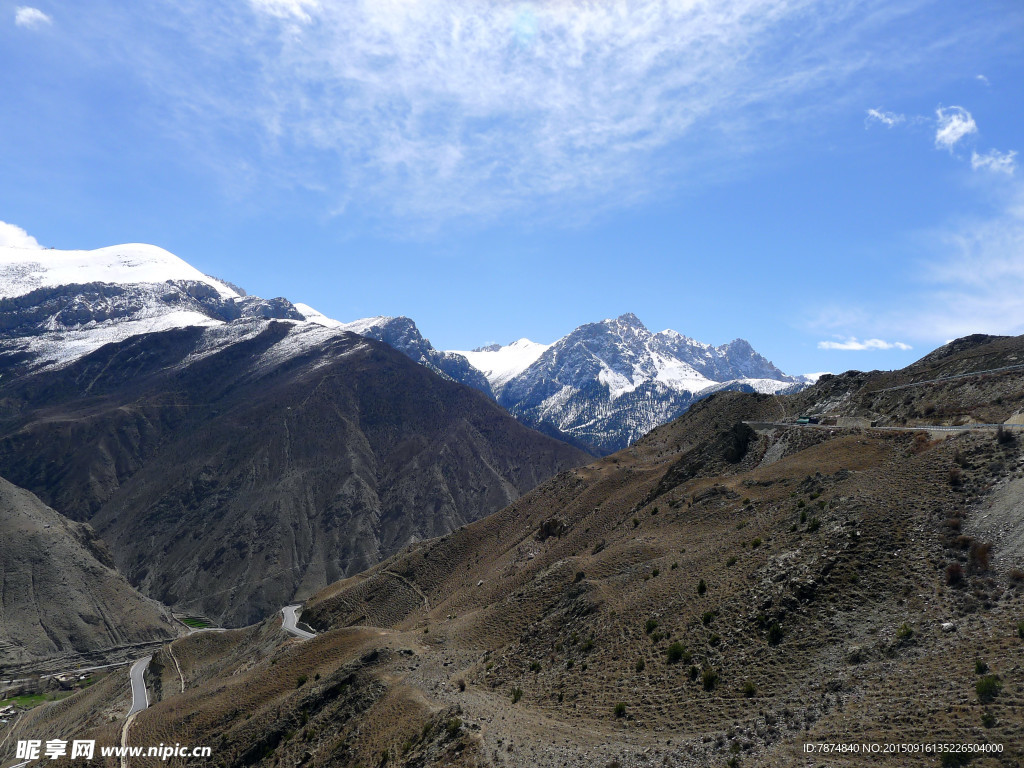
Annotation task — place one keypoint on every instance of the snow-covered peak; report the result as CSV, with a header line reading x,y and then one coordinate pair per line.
x,y
500,364
23,270
361,327
317,317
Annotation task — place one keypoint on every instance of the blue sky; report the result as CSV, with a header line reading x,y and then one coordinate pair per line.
x,y
837,182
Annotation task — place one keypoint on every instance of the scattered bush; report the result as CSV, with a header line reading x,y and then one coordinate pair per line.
x,y
517,694
714,640
708,678
988,688
588,645
640,665
674,566
803,516
655,572
580,576
980,667
775,633
1016,576
636,522
978,555
650,626
813,525
1003,436
1020,629
954,574
676,653
654,511
462,685
301,681
956,477
708,617
702,587
801,504
745,501
756,543
749,689
694,672
535,666
904,632
620,709
988,719
731,561
453,726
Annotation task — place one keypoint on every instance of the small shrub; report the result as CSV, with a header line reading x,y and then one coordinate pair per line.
x,y
954,574
1020,629
709,678
953,523
1003,436
714,640
650,626
801,504
803,516
580,576
980,667
674,566
535,666
569,664
656,638
702,587
517,694
654,511
956,477
301,681
775,633
462,685
655,572
640,665
676,653
813,525
636,522
731,561
749,689
978,554
453,726
694,672
745,501
1016,576
620,709
988,719
708,617
904,632
755,543
988,688
588,645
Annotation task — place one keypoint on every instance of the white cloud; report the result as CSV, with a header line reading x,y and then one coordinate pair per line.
x,y
983,79
852,344
13,235
288,9
994,160
971,281
888,119
30,18
953,124
450,108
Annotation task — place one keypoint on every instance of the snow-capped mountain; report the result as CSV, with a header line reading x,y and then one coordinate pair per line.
x,y
402,334
501,364
59,306
606,384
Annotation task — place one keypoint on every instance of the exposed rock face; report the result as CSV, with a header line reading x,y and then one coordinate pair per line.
x,y
59,592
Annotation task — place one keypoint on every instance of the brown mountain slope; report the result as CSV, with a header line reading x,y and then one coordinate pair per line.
x,y
234,469
830,560
60,595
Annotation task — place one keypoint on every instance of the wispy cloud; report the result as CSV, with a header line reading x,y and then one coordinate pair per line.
x,y
15,236
852,344
888,119
983,79
952,125
971,281
994,160
30,18
455,108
